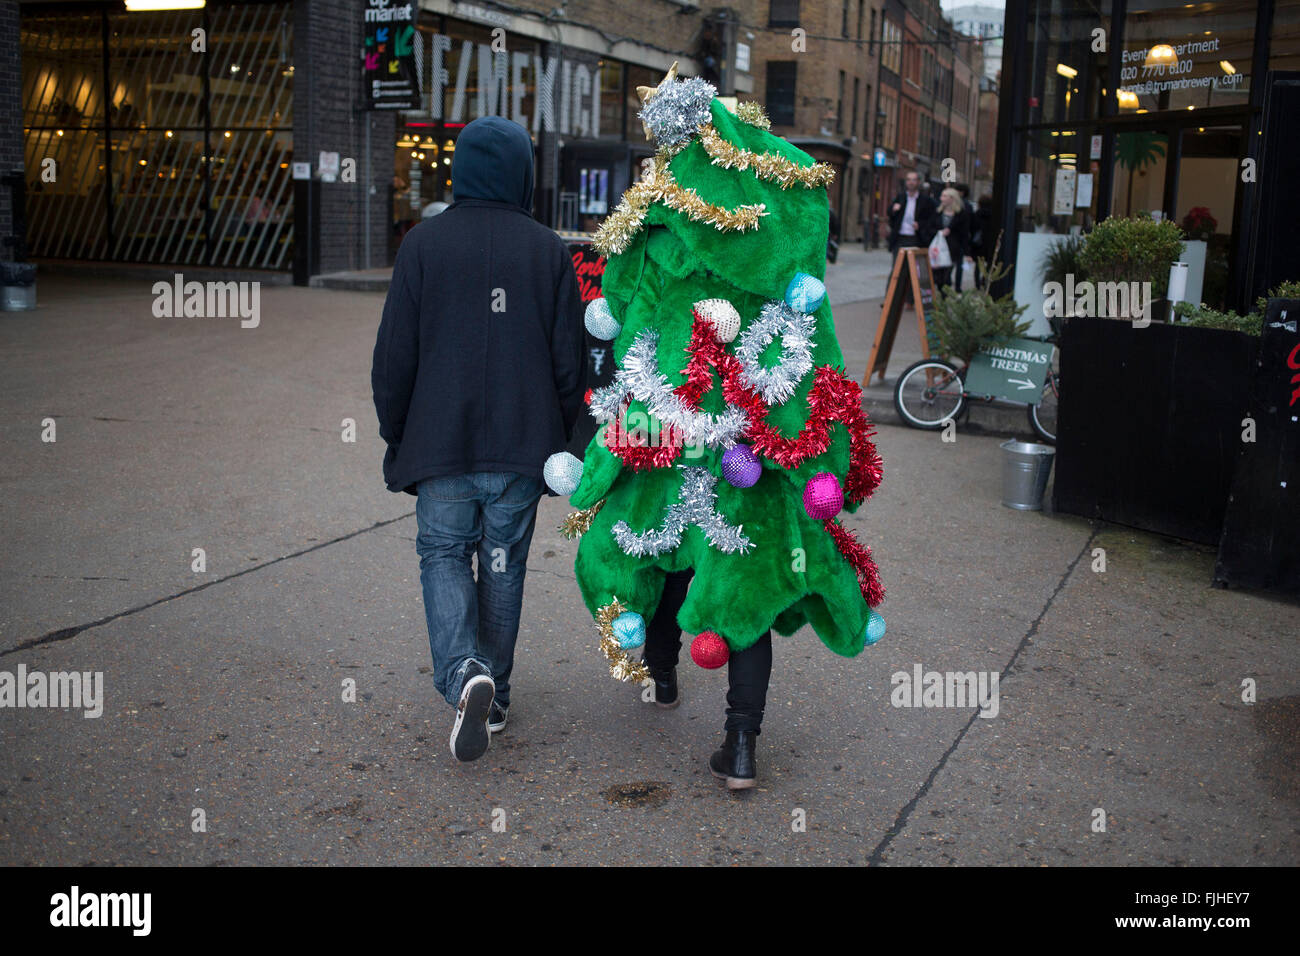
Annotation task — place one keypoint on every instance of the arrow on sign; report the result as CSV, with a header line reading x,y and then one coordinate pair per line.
x,y
1022,382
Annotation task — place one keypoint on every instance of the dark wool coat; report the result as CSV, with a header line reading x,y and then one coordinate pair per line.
x,y
479,363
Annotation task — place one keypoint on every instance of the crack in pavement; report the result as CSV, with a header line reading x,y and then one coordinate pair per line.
x,y
67,633
900,822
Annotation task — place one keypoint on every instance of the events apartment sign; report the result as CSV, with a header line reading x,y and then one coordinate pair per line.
x,y
481,79
388,71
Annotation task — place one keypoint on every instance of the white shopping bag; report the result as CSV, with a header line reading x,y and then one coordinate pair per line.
x,y
940,257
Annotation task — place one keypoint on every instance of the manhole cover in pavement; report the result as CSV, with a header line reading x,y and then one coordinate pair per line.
x,y
646,793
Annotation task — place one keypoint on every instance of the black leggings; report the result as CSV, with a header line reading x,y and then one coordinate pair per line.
x,y
748,671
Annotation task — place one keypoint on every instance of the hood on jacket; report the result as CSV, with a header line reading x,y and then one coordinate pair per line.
x,y
493,160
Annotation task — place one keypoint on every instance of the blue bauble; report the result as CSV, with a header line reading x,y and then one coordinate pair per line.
x,y
600,321
875,629
562,473
629,630
741,467
805,293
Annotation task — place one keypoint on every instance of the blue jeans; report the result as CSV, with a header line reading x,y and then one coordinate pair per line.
x,y
492,513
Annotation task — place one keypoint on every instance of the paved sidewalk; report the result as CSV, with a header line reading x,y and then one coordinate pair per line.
x,y
1119,691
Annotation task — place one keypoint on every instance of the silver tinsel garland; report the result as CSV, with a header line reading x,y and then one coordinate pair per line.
x,y
676,110
796,330
696,505
639,377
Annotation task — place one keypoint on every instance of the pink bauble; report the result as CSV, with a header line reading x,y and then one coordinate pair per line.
x,y
741,467
709,650
822,496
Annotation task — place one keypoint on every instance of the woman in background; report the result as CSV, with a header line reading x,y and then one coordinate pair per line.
x,y
951,220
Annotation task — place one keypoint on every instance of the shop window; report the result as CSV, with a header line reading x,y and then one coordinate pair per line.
x,y
1066,75
194,168
611,99
1284,49
1061,192
1173,60
637,76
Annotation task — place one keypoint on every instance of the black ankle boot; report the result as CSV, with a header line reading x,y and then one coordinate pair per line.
x,y
666,689
734,763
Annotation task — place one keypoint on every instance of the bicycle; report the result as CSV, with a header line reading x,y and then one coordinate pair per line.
x,y
932,392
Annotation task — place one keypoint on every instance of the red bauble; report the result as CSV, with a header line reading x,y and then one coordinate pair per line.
x,y
709,650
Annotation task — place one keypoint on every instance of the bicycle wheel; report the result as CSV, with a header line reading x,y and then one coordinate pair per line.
x,y
928,394
1042,417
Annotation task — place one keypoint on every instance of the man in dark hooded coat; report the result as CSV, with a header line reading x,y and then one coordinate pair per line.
x,y
478,376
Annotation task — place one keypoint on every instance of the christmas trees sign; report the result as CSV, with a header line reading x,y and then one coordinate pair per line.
x,y
725,347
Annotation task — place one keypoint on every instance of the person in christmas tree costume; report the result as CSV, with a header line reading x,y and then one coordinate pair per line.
x,y
730,438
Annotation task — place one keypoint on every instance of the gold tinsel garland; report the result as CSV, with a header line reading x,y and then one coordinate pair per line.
x,y
619,227
621,667
578,522
616,232
769,166
753,114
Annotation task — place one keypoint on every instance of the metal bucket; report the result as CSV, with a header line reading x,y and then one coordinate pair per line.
x,y
17,286
1025,467
17,298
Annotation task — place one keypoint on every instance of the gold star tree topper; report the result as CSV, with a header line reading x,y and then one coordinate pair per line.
x,y
644,93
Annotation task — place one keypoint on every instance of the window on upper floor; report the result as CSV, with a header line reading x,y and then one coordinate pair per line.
x,y
780,91
783,13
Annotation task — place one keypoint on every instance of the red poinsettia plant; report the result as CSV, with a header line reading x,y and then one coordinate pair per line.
x,y
1199,224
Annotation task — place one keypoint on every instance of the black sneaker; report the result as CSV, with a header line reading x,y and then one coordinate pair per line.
x,y
470,734
497,718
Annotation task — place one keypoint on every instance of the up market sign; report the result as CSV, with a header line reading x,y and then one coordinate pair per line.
x,y
485,80
389,75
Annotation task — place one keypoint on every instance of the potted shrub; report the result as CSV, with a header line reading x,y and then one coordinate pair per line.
x,y
1137,250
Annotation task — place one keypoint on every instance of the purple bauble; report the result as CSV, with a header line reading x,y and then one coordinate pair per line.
x,y
741,467
822,496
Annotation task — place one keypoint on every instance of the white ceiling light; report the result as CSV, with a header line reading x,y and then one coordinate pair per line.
x,y
143,6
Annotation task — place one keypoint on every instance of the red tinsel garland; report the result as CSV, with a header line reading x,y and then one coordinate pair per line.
x,y
641,455
860,558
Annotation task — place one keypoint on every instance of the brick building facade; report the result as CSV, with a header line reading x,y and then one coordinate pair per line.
x,y
177,156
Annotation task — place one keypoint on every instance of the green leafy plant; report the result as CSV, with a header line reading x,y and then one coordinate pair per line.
x,y
1063,259
1290,289
1252,323
1203,317
962,323
1132,250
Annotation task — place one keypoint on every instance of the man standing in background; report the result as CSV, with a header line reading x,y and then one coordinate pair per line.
x,y
910,214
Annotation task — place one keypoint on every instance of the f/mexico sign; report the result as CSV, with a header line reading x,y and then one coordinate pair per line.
x,y
461,80
1015,369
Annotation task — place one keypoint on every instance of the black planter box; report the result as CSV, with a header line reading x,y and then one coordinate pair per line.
x,y
1150,424
1261,533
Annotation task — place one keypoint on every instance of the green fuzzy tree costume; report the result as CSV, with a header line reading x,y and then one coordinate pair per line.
x,y
731,212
